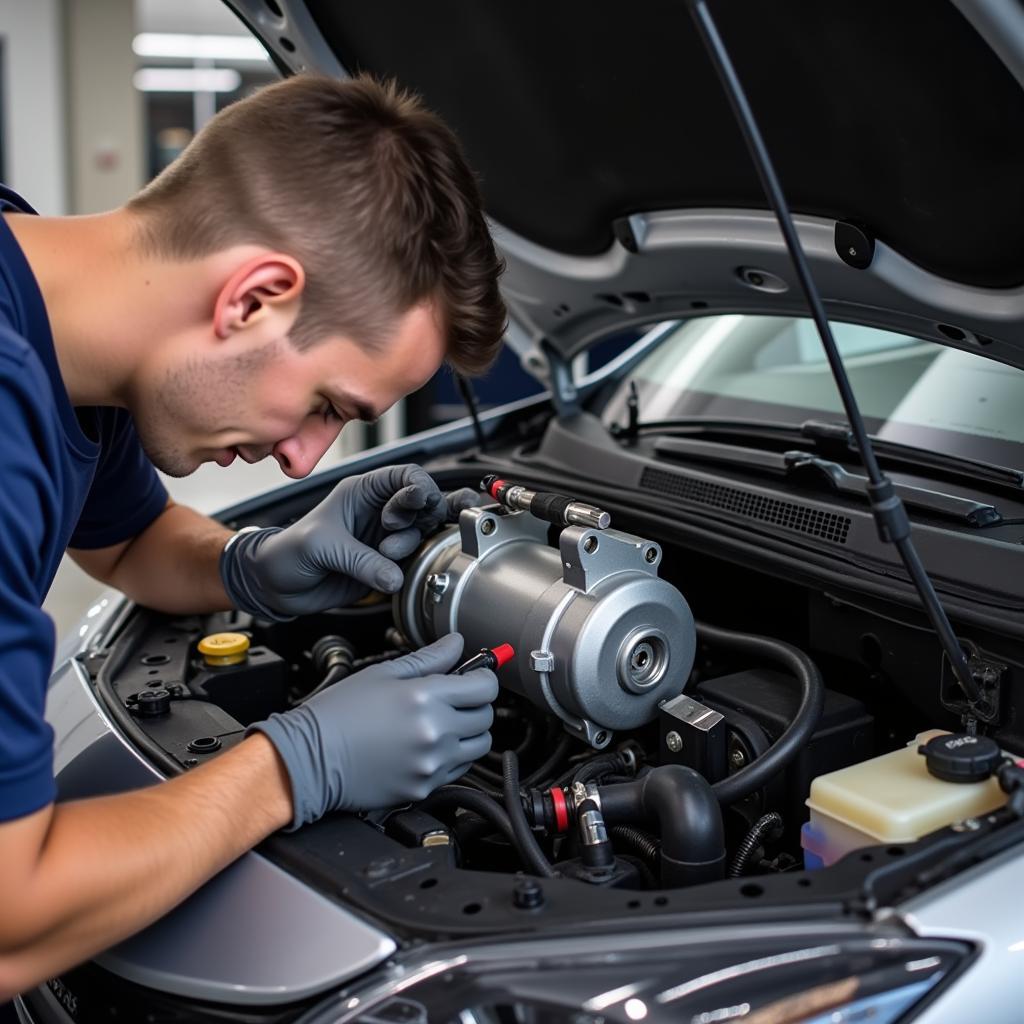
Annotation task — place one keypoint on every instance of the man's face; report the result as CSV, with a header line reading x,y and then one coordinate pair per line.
x,y
269,398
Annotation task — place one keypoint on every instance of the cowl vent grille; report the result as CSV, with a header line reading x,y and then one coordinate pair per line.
x,y
788,514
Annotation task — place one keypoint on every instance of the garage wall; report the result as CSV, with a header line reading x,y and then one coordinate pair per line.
x,y
32,84
104,111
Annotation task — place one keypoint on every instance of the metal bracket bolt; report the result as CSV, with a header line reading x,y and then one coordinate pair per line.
x,y
437,584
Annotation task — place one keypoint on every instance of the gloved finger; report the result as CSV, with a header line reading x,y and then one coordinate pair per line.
x,y
456,501
403,508
438,658
381,485
472,690
401,544
475,747
446,511
473,721
353,558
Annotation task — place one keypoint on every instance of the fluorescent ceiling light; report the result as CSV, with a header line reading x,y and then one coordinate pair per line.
x,y
187,79
185,46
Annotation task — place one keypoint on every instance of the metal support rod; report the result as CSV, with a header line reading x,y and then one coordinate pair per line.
x,y
890,515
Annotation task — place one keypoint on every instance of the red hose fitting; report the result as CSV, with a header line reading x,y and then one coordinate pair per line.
x,y
560,807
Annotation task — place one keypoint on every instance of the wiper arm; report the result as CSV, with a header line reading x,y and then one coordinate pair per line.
x,y
913,456
814,469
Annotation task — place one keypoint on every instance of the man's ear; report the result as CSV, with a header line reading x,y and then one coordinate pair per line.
x,y
257,288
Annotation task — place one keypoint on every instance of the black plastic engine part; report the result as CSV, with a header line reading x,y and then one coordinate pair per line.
x,y
417,828
249,691
622,873
802,722
153,702
843,735
688,817
961,758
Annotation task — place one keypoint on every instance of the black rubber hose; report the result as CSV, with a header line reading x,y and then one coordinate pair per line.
x,y
494,756
597,766
689,821
765,826
609,764
557,756
524,840
334,658
489,778
799,732
450,798
637,842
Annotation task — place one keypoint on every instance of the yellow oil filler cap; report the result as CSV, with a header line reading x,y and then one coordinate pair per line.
x,y
224,648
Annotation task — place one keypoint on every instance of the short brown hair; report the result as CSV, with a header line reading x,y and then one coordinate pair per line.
x,y
364,186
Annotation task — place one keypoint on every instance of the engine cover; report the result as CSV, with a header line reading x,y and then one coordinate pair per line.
x,y
600,640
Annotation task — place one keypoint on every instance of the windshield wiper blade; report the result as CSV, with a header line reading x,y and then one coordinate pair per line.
x,y
810,468
912,455
833,438
710,425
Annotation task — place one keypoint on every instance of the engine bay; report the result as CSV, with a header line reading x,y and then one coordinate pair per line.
x,y
636,749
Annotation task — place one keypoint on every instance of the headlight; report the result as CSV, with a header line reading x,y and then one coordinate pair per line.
x,y
754,981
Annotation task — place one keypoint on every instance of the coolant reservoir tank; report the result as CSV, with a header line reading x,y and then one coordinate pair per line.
x,y
893,798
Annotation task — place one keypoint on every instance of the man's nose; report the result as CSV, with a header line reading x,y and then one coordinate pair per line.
x,y
298,455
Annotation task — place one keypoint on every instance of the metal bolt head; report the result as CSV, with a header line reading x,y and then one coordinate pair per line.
x,y
437,584
674,742
737,758
487,527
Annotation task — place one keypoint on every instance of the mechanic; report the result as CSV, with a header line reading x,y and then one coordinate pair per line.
x,y
314,255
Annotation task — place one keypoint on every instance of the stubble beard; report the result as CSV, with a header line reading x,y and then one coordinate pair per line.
x,y
203,394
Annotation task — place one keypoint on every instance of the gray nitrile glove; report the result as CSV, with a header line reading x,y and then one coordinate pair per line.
x,y
345,547
387,735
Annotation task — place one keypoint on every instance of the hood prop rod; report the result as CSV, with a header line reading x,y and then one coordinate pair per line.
x,y
886,506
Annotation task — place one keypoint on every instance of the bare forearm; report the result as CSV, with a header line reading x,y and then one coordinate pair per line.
x,y
62,903
172,565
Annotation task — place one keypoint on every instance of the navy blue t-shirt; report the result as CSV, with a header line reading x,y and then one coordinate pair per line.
x,y
68,477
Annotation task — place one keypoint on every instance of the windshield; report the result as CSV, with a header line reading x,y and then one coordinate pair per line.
x,y
774,368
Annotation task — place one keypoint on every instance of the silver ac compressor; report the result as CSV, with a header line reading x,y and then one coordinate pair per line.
x,y
600,640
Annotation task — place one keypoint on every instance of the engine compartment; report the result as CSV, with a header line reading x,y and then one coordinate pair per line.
x,y
647,753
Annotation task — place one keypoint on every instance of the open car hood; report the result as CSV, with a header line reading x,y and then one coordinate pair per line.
x,y
621,193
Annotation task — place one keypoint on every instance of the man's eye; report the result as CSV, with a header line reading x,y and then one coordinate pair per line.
x,y
332,415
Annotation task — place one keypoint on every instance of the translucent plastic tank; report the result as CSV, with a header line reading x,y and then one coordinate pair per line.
x,y
888,799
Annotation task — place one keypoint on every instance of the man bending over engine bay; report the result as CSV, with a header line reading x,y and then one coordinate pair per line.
x,y
313,257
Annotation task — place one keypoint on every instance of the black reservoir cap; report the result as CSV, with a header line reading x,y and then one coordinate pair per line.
x,y
959,757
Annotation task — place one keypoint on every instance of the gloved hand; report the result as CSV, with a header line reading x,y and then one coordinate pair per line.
x,y
343,548
387,735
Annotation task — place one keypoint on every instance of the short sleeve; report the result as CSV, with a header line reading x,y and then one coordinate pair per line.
x,y
126,493
28,501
